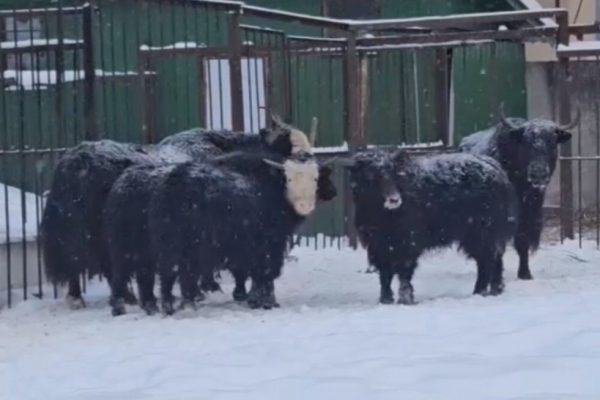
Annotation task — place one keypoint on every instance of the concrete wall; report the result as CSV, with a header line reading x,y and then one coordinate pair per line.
x,y
585,96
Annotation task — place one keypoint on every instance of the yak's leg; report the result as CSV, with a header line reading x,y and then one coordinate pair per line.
x,y
239,292
188,281
485,268
145,282
255,295
118,287
386,274
405,271
270,300
167,281
74,297
522,247
386,295
496,281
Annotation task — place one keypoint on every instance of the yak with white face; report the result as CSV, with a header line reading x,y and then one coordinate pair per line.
x,y
233,212
527,151
72,225
301,174
406,205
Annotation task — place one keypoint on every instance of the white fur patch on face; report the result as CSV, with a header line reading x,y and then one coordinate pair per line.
x,y
300,142
393,201
301,185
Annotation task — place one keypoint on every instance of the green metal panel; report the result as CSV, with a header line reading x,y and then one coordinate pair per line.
x,y
311,7
401,97
478,89
317,90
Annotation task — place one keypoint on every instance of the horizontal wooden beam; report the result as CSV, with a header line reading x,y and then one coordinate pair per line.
x,y
455,21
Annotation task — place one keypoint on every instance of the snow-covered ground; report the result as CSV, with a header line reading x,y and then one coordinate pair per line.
x,y
329,340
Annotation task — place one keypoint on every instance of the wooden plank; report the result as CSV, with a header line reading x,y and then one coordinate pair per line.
x,y
456,20
442,94
566,149
91,132
235,71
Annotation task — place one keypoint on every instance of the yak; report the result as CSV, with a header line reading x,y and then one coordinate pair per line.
x,y
527,150
71,228
405,205
234,212
127,235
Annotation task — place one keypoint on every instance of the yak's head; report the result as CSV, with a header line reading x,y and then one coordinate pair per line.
x,y
529,149
288,140
300,172
375,178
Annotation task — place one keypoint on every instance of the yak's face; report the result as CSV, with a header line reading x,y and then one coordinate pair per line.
x,y
375,175
301,176
529,151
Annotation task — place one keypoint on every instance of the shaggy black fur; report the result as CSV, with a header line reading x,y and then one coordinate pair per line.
x,y
72,226
230,212
431,202
528,151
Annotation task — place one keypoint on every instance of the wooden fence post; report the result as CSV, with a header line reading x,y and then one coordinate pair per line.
x,y
89,74
566,150
235,72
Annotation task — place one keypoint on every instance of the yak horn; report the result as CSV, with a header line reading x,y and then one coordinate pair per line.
x,y
573,123
314,126
274,164
505,120
278,122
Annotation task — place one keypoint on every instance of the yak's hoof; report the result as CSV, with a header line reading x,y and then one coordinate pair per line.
x,y
386,296
406,297
240,294
187,304
75,303
130,298
200,297
167,307
150,307
525,275
496,289
118,307
270,302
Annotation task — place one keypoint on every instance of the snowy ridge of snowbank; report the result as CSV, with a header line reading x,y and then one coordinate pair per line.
x,y
15,214
330,339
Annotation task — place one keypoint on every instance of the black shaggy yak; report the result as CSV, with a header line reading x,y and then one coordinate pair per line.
x,y
71,228
406,205
126,229
528,151
234,212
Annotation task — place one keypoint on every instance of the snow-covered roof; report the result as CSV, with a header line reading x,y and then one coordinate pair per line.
x,y
579,48
16,206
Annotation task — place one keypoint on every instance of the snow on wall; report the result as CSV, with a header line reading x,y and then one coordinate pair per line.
x,y
14,217
30,79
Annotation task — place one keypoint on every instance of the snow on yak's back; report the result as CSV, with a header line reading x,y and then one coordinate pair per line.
x,y
406,205
71,229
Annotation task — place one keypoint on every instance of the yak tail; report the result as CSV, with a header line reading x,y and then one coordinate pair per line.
x,y
60,228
